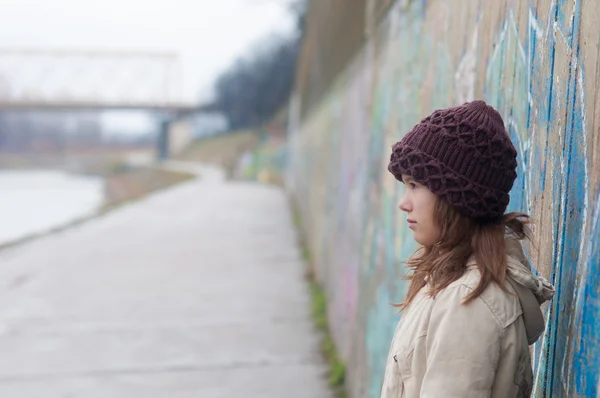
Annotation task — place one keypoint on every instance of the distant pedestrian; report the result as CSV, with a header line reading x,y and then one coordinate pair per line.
x,y
473,304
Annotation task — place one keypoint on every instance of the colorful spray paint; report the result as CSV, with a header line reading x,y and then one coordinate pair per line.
x,y
529,62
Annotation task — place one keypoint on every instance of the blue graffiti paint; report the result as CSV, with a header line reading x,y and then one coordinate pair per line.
x,y
381,323
587,360
389,232
535,102
547,351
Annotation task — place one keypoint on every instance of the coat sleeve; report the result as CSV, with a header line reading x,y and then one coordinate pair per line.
x,y
463,347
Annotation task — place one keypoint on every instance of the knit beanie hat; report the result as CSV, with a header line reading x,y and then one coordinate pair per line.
x,y
462,154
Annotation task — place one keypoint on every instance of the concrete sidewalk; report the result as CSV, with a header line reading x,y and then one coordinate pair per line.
x,y
197,291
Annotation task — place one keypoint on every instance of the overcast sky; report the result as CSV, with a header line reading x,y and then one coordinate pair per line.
x,y
208,34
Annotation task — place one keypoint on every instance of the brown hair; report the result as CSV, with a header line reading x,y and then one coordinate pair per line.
x,y
463,238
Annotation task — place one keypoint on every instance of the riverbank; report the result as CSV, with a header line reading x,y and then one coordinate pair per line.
x,y
74,204
224,150
136,182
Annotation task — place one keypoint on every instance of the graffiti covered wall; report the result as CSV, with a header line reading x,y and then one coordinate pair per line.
x,y
537,63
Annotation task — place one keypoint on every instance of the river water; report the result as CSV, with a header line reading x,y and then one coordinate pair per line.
x,y
35,201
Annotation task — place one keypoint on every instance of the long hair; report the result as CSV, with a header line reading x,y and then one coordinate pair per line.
x,y
460,240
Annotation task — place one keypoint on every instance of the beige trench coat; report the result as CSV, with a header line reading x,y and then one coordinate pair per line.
x,y
443,349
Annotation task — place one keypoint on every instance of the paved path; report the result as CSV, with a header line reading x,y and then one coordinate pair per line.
x,y
197,291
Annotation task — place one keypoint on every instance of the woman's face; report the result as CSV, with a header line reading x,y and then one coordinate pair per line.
x,y
419,204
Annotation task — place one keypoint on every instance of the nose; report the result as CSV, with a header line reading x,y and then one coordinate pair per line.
x,y
404,204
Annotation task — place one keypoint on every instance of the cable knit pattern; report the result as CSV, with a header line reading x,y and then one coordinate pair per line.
x,y
462,154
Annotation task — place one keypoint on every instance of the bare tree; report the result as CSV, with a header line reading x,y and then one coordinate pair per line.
x,y
258,84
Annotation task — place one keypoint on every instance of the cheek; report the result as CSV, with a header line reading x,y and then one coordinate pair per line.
x,y
428,212
425,206
431,213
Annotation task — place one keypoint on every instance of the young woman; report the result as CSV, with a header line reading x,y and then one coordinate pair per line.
x,y
473,304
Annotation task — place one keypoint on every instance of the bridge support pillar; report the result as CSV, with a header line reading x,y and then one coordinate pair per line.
x,y
163,140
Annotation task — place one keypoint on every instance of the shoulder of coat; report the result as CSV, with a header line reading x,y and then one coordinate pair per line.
x,y
504,306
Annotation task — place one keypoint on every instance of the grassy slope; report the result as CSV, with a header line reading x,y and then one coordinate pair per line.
x,y
224,150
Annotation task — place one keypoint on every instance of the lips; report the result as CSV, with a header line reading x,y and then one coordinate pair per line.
x,y
411,223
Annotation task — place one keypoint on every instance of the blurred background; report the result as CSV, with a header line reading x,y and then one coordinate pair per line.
x,y
92,95
103,103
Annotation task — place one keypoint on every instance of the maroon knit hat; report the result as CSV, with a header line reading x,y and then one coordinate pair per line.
x,y
463,155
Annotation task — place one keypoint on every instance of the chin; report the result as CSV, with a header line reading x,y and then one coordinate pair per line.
x,y
423,242
418,239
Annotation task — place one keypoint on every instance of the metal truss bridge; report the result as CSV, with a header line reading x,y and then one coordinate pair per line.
x,y
39,79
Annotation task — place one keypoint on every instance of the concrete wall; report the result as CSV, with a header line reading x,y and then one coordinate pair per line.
x,y
537,63
334,33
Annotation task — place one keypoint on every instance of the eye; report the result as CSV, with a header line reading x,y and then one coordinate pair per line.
x,y
412,185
